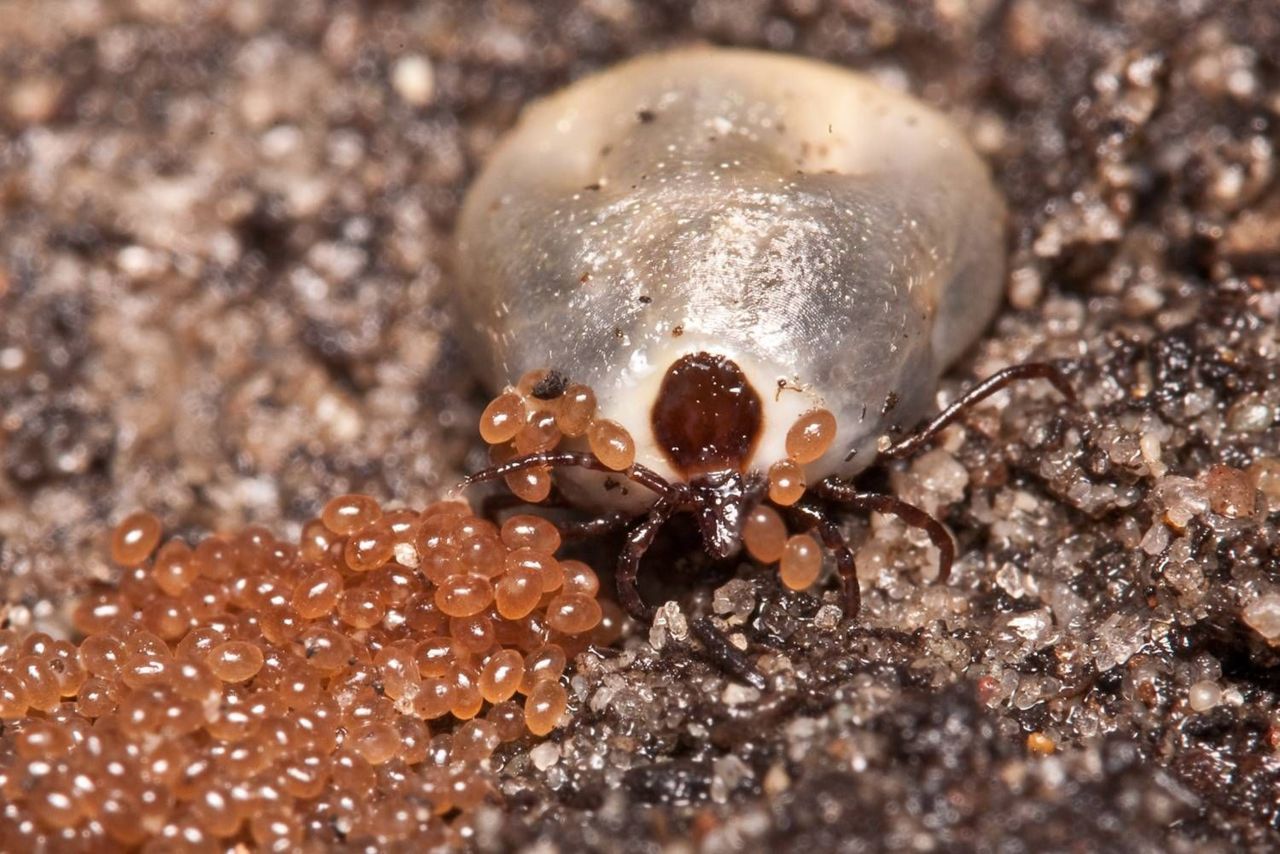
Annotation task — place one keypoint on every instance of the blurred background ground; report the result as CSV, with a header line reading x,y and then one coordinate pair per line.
x,y
224,228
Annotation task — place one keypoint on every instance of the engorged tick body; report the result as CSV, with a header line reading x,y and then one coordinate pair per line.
x,y
721,243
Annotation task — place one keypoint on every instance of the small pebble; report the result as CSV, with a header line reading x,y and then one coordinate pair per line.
x,y
736,694
776,781
1263,616
414,80
735,600
1249,414
545,755
828,617
1203,696
1231,494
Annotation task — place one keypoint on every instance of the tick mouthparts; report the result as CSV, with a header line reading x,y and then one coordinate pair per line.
x,y
720,502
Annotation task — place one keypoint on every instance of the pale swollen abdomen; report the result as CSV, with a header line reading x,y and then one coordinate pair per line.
x,y
839,241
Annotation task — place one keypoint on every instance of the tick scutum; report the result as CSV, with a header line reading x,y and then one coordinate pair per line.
x,y
707,417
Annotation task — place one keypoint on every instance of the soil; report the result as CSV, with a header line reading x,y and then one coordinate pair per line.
x,y
224,236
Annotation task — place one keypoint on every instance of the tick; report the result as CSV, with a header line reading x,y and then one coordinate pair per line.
x,y
754,268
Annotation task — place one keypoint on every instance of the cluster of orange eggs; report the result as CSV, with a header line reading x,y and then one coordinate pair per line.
x,y
764,534
536,415
349,686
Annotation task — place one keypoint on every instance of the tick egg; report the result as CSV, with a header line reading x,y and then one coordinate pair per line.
x,y
309,668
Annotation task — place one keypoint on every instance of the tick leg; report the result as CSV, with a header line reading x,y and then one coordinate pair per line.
x,y
992,384
835,490
584,529
724,654
715,646
498,502
646,477
570,529
835,541
638,541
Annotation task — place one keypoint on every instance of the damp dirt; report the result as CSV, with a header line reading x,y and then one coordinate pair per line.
x,y
224,233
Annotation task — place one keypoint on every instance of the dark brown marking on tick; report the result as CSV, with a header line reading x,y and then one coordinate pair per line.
x,y
707,417
646,116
